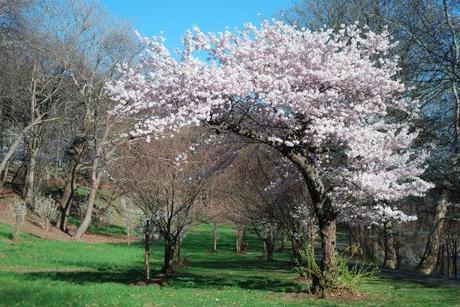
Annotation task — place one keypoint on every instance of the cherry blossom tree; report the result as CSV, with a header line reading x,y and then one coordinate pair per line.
x,y
322,99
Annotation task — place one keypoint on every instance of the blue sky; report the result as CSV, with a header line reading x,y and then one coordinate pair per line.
x,y
173,17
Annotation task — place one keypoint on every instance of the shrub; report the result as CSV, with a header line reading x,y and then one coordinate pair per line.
x,y
348,277
46,209
352,276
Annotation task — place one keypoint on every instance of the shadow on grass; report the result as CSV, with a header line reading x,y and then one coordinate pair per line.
x,y
417,279
180,280
215,279
190,280
22,296
245,265
83,277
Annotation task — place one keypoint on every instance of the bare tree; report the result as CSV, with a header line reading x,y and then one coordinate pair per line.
x,y
168,192
102,45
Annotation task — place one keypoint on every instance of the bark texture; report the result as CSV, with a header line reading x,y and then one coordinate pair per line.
x,y
28,192
146,263
214,237
239,239
73,167
270,249
168,263
390,251
326,215
8,155
95,181
429,259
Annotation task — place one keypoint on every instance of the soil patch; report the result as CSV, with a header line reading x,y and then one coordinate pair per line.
x,y
32,227
338,294
145,283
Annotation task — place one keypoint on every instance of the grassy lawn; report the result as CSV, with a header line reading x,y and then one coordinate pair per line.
x,y
106,230
37,272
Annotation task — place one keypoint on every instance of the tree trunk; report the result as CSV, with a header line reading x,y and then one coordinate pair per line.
x,y
214,237
32,148
55,171
95,180
390,252
4,175
361,241
128,234
375,244
76,152
65,212
146,262
375,250
34,121
295,250
326,215
65,203
10,153
47,229
168,257
47,175
178,252
428,262
146,235
239,240
283,242
311,236
327,232
16,231
28,193
66,200
270,249
237,243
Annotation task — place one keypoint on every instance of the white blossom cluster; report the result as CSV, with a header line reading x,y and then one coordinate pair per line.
x,y
18,211
46,208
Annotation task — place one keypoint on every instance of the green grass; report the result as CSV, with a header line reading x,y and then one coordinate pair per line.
x,y
36,272
106,230
80,192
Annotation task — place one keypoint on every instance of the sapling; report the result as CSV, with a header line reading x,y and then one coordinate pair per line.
x,y
215,236
180,239
18,211
148,233
130,217
47,209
